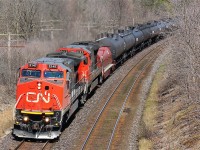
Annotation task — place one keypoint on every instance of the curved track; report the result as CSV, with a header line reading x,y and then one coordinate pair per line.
x,y
102,133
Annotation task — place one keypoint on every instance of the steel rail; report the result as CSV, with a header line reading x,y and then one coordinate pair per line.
x,y
45,144
20,144
99,115
124,103
23,142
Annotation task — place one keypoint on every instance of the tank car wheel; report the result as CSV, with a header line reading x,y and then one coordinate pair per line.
x,y
121,62
132,53
149,42
141,47
157,39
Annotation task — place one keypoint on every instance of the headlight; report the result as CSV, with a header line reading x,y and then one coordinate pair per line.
x,y
47,119
25,119
39,85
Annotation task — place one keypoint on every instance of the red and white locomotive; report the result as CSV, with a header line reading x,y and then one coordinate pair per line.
x,y
50,89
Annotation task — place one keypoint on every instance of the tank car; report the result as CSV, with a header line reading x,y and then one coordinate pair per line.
x,y
139,37
146,30
155,30
162,26
115,42
128,37
121,44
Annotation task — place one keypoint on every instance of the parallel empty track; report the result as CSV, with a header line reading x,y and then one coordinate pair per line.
x,y
102,134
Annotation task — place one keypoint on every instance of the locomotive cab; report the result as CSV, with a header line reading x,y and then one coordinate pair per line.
x,y
43,97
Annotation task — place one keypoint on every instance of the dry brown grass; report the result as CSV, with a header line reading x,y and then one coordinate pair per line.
x,y
19,57
170,122
6,120
151,111
145,144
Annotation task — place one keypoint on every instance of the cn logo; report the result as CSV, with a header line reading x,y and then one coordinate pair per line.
x,y
38,97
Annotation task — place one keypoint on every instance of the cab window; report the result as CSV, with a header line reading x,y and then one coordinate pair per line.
x,y
31,73
86,61
53,74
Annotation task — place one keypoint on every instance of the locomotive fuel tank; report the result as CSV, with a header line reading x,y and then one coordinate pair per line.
x,y
116,43
128,38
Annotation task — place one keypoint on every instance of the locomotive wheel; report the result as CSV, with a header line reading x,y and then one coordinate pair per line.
x,y
100,80
111,71
83,99
64,120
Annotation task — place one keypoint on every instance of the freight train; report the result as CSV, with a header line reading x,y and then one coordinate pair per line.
x,y
52,88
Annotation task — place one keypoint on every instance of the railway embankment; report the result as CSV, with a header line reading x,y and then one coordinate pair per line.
x,y
169,121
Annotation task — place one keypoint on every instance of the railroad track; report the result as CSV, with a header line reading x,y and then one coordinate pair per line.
x,y
24,145
102,132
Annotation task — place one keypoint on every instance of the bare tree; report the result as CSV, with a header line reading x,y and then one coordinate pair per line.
x,y
187,62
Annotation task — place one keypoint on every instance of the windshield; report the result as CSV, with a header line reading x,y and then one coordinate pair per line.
x,y
53,74
31,73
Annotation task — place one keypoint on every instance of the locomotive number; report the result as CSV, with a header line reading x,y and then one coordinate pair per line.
x,y
38,97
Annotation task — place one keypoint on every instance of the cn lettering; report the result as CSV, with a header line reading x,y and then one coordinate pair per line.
x,y
38,97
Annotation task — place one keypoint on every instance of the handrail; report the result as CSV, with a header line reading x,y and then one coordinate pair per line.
x,y
57,100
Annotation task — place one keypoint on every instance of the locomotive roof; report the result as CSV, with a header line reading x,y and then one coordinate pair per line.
x,y
64,54
77,57
89,46
65,63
